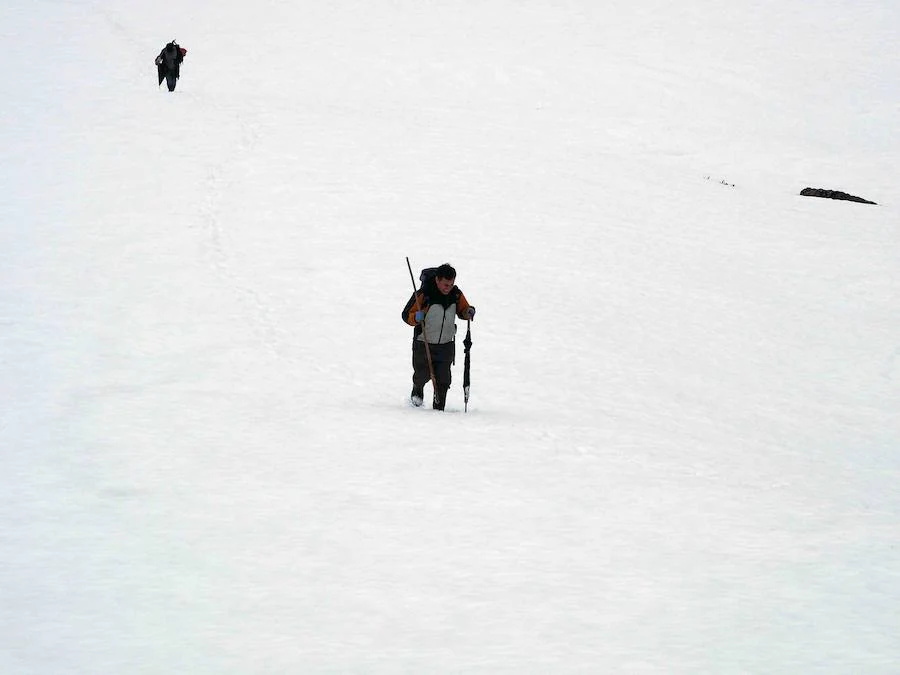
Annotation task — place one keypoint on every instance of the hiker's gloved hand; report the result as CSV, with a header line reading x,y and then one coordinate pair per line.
x,y
470,313
420,316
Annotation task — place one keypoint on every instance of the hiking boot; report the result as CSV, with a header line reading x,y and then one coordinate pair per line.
x,y
440,397
417,396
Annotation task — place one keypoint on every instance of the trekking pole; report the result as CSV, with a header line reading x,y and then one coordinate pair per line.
x,y
424,336
468,345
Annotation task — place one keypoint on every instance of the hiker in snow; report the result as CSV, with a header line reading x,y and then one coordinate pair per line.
x,y
433,310
168,64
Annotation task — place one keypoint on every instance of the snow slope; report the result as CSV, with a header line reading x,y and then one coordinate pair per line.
x,y
683,441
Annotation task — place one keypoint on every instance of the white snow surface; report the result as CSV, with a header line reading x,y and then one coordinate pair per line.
x,y
682,447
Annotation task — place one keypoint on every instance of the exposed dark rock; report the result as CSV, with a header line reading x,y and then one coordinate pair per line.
x,y
832,194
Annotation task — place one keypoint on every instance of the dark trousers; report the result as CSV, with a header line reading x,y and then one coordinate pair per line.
x,y
442,357
170,76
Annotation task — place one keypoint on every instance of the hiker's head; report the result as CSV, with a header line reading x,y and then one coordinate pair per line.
x,y
170,47
444,278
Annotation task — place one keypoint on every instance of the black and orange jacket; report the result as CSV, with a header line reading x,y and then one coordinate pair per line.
x,y
440,312
170,58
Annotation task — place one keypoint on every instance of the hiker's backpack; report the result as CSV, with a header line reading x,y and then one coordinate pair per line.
x,y
427,273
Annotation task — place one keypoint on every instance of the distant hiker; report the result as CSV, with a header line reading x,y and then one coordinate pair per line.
x,y
433,309
168,64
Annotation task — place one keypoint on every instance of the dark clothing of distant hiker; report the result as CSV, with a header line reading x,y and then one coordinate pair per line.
x,y
433,310
168,64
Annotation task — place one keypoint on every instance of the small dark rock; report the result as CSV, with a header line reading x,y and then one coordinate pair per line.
x,y
832,194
